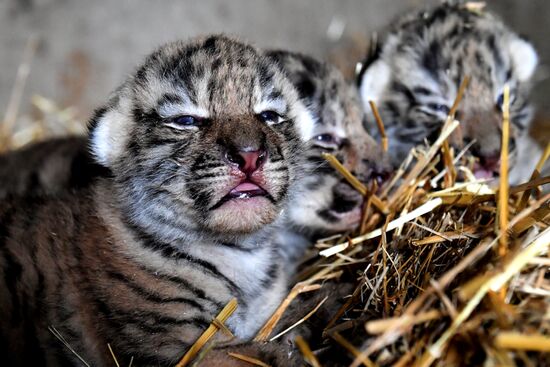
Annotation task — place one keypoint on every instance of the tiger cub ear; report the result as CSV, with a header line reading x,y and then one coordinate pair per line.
x,y
108,132
524,58
373,82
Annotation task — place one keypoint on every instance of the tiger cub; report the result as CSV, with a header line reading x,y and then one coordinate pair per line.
x,y
48,167
202,153
415,74
334,124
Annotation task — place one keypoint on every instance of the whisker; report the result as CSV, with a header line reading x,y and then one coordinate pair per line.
x,y
64,341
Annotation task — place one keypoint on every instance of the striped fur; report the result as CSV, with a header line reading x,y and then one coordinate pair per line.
x,y
48,167
333,123
146,256
416,71
327,204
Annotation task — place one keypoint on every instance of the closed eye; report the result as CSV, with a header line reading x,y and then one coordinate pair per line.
x,y
184,122
440,108
270,117
326,141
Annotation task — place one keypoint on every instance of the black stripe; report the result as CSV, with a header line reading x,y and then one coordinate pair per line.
x,y
184,283
327,216
392,108
422,90
119,322
209,175
236,246
212,269
431,60
280,169
270,275
149,321
12,275
168,98
5,221
152,297
169,251
208,165
405,91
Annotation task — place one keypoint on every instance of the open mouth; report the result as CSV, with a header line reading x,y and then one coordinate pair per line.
x,y
481,172
244,191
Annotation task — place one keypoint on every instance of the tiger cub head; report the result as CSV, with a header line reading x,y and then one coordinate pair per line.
x,y
201,138
415,74
333,123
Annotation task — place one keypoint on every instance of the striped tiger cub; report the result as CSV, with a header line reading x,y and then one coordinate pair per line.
x,y
202,155
415,73
333,124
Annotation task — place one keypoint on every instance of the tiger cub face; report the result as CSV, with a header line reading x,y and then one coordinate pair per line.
x,y
201,140
417,71
333,123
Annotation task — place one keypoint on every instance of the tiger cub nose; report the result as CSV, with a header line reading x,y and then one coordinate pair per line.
x,y
248,161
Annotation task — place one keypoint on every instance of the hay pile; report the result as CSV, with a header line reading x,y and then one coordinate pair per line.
x,y
446,273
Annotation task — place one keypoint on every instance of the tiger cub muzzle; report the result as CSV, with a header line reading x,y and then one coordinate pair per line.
x,y
252,181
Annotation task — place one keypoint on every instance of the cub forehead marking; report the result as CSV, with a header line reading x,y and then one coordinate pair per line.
x,y
278,105
202,91
172,109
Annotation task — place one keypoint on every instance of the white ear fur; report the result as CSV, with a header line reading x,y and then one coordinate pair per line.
x,y
524,58
374,81
108,137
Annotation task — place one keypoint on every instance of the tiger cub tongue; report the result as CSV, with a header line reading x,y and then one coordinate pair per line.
x,y
246,186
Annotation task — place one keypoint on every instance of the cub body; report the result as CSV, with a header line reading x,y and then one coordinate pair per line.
x,y
202,156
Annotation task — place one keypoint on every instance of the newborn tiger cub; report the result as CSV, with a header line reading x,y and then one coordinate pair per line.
x,y
202,153
415,74
333,124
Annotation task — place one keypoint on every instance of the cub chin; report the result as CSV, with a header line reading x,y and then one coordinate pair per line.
x,y
201,155
332,123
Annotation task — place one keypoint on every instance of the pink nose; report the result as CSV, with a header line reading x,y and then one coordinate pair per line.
x,y
247,161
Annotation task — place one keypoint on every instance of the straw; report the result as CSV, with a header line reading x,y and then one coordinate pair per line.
x,y
208,333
